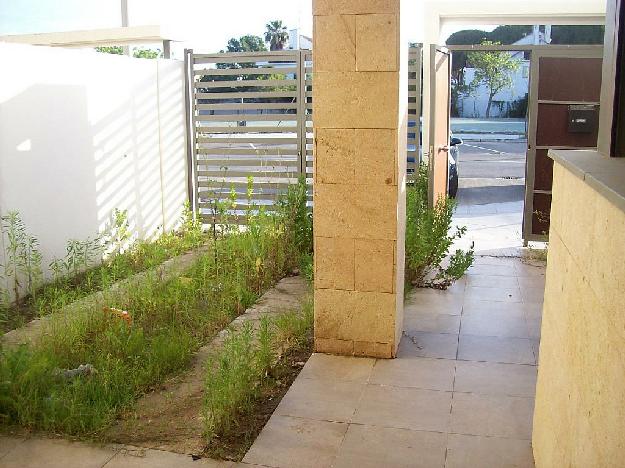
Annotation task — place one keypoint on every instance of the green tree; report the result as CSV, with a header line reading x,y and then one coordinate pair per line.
x,y
247,43
115,50
509,34
276,35
146,53
493,69
578,34
138,52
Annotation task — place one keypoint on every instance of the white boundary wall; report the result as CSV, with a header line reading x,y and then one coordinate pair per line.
x,y
82,133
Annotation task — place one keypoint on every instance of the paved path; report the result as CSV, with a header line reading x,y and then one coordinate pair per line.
x,y
460,393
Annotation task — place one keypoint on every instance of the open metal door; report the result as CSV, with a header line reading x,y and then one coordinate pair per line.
x,y
440,100
565,84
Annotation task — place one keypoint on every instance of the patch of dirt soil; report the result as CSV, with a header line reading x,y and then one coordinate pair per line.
x,y
235,445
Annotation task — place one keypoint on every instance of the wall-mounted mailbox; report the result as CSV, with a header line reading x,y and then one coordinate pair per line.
x,y
583,118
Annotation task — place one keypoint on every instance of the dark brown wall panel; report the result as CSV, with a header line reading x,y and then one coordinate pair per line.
x,y
569,79
541,214
552,128
543,171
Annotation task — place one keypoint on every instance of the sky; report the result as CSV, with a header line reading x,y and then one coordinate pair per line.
x,y
204,25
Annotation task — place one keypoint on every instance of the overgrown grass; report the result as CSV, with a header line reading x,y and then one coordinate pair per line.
x,y
237,374
429,236
80,273
168,321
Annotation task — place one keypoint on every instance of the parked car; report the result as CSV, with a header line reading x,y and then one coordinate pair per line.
x,y
454,153
452,172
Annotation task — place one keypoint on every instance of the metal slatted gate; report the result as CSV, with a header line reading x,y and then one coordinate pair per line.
x,y
563,78
249,115
415,58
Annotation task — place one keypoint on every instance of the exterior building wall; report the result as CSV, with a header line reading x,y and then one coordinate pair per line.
x,y
360,110
579,417
83,133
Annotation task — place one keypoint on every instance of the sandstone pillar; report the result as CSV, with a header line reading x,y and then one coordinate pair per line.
x,y
359,113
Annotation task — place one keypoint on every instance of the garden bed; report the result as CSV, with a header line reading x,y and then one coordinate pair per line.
x,y
173,416
84,370
82,272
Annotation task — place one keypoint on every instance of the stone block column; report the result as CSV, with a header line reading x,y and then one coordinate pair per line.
x,y
359,113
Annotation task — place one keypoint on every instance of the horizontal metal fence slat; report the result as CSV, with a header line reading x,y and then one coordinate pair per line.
x,y
247,106
206,129
248,95
245,83
244,71
248,151
246,139
246,117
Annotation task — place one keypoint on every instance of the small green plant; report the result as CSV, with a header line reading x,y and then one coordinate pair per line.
x,y
22,257
428,238
237,374
88,266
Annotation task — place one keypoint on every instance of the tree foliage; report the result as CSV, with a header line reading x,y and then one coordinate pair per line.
x,y
138,52
247,43
494,70
276,35
579,34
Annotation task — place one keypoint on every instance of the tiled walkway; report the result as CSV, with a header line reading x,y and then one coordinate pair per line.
x,y
460,393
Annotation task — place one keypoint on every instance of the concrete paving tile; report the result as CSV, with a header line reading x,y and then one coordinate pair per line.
x,y
323,400
534,327
528,269
431,300
493,270
431,374
531,281
56,453
328,367
490,415
433,307
490,260
533,295
490,281
432,322
297,443
146,458
512,324
477,305
499,294
496,349
493,452
489,378
373,447
8,443
535,342
404,408
433,345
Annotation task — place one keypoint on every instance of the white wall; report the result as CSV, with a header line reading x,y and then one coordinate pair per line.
x,y
82,133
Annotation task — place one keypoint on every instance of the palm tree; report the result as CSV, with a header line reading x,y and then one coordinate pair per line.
x,y
276,35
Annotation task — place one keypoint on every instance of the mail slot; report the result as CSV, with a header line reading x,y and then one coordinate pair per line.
x,y
583,118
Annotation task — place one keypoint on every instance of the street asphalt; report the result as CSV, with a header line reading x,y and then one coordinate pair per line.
x,y
491,172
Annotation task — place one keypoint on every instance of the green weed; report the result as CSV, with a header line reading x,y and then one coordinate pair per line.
x,y
429,237
89,266
237,374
